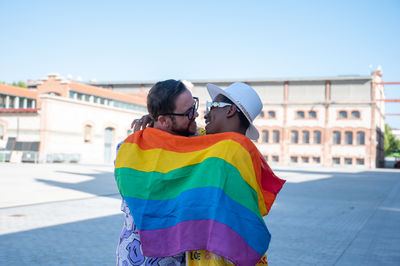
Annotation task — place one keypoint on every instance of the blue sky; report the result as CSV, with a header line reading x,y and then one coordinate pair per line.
x,y
155,40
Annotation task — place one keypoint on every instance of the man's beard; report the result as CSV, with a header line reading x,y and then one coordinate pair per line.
x,y
181,131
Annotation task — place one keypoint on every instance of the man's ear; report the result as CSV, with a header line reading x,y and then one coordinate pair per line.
x,y
231,111
164,121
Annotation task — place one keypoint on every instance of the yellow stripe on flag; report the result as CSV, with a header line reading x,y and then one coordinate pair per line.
x,y
131,156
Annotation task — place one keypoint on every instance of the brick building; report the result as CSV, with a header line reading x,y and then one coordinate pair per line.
x,y
58,120
333,121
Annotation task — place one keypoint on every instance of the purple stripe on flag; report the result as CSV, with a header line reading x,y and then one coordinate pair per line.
x,y
217,238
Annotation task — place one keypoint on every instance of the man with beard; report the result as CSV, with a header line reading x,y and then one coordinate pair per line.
x,y
232,110
174,110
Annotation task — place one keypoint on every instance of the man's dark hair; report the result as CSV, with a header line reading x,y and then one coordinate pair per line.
x,y
162,96
244,123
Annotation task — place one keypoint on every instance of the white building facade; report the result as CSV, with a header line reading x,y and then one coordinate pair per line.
x,y
334,121
70,122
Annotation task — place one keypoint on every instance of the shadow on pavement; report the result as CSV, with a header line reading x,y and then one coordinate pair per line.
x,y
102,184
88,242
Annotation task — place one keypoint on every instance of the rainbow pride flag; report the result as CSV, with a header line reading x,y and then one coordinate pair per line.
x,y
207,192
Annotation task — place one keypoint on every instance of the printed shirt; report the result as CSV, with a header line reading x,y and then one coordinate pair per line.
x,y
129,250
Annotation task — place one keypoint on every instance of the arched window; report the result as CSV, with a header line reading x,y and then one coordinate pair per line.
x,y
87,134
108,143
1,131
348,137
342,114
317,137
294,136
261,114
271,114
265,136
348,161
306,136
336,160
300,114
355,114
312,114
360,138
305,159
336,137
275,136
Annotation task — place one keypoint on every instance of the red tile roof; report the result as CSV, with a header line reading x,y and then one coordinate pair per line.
x,y
17,91
93,90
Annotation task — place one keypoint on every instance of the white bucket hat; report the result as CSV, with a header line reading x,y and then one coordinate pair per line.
x,y
245,98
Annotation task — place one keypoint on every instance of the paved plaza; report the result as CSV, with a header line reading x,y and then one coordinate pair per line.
x,y
66,214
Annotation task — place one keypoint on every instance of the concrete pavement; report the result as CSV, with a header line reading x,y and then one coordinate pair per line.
x,y
60,214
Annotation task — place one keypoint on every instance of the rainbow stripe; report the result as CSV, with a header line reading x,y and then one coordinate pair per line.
x,y
196,193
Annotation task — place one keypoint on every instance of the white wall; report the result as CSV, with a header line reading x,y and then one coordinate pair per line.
x,y
63,122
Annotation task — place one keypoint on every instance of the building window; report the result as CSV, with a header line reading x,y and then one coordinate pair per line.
x,y
355,114
266,157
300,114
348,161
87,133
2,101
342,114
261,114
11,102
29,103
293,159
306,136
336,137
317,137
316,160
336,160
304,159
312,114
360,161
348,137
265,136
275,158
294,136
271,114
275,136
1,132
360,138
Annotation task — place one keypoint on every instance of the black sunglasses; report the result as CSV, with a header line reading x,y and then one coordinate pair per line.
x,y
190,113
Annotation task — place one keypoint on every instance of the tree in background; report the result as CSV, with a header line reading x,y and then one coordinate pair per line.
x,y
391,144
19,84
16,84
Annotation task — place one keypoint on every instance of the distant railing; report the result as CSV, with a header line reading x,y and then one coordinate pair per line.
x,y
63,158
4,156
7,156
